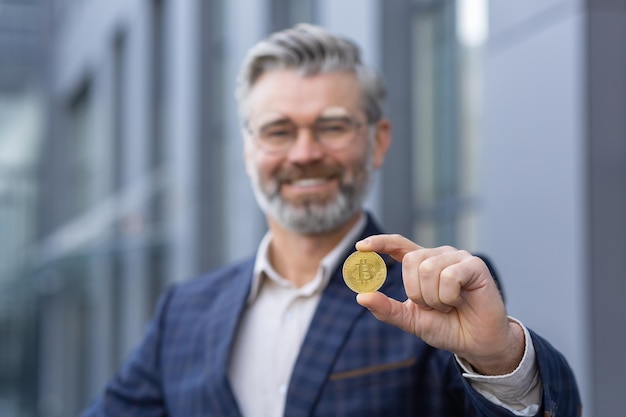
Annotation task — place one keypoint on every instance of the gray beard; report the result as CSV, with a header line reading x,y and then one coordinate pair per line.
x,y
312,218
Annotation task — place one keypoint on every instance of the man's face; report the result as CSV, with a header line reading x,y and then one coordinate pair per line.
x,y
310,185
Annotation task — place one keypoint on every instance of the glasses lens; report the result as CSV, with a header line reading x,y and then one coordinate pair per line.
x,y
336,133
277,137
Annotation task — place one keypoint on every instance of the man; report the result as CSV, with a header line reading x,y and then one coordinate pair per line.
x,y
281,334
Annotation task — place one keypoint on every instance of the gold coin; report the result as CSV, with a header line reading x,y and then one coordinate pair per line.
x,y
364,271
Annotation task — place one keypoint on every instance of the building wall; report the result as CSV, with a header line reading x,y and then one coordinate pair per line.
x,y
534,170
606,200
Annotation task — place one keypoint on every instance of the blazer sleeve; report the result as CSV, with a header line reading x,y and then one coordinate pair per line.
x,y
560,392
560,396
136,389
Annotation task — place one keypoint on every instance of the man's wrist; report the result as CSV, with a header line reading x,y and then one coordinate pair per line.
x,y
518,391
510,357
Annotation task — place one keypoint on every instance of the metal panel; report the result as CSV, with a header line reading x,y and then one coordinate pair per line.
x,y
606,199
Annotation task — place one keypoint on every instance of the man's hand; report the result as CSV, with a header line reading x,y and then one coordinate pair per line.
x,y
453,304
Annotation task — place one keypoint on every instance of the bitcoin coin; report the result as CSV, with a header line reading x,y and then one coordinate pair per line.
x,y
364,271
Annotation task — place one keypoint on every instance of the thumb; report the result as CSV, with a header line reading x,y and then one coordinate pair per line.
x,y
385,309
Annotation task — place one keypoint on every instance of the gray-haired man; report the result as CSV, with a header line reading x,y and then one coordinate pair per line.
x,y
280,333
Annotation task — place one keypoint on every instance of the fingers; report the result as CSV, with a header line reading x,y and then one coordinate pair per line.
x,y
453,302
394,245
434,278
422,274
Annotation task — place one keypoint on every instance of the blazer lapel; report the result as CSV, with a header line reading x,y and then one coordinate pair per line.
x,y
221,325
331,325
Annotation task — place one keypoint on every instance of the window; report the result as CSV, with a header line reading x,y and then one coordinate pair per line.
x,y
212,118
156,257
286,13
76,158
119,110
437,122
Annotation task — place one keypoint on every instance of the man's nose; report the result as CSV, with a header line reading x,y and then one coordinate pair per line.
x,y
305,147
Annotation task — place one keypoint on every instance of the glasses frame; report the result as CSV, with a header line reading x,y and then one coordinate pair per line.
x,y
355,124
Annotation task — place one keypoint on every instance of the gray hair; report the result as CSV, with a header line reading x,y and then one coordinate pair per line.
x,y
310,50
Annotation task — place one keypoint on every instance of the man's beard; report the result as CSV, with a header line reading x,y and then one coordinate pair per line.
x,y
312,217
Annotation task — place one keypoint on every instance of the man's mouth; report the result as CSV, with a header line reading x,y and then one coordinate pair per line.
x,y
309,182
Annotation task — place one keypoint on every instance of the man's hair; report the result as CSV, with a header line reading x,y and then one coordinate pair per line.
x,y
309,50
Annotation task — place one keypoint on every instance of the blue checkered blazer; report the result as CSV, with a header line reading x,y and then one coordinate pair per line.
x,y
350,364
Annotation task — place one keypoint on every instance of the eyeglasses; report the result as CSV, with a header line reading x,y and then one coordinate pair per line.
x,y
332,133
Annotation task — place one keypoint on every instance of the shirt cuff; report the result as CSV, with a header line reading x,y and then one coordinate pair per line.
x,y
518,391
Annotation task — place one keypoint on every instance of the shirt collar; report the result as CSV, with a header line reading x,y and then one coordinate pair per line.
x,y
263,268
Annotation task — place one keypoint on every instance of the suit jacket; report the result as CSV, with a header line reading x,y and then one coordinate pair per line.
x,y
350,364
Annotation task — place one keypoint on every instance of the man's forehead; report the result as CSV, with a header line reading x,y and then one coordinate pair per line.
x,y
274,116
303,98
289,85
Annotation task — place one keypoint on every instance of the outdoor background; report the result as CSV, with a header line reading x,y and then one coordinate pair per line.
x,y
121,167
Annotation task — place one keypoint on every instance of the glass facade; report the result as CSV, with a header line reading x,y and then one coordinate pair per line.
x,y
435,100
445,123
22,123
286,13
435,125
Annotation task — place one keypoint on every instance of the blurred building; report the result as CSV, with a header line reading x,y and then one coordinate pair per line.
x,y
131,174
21,131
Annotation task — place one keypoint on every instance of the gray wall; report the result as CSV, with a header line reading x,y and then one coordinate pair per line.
x,y
553,181
606,201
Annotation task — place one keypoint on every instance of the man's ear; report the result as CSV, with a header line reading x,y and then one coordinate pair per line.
x,y
247,152
381,142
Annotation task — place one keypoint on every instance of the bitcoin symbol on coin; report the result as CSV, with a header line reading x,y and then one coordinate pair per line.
x,y
364,271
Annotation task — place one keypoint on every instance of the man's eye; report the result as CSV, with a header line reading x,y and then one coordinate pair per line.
x,y
281,133
333,128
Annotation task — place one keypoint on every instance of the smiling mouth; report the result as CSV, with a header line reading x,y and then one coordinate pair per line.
x,y
309,182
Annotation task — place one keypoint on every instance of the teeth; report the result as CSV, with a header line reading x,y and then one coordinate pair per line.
x,y
309,182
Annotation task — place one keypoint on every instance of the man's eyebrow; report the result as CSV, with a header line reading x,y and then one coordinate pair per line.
x,y
332,118
287,121
275,122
